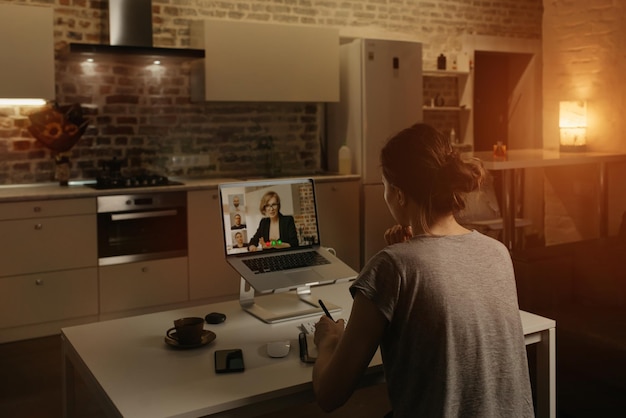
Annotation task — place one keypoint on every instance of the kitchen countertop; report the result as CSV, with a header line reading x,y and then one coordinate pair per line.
x,y
78,189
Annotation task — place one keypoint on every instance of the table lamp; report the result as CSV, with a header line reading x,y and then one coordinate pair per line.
x,y
573,126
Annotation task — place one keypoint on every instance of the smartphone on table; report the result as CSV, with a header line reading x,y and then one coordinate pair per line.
x,y
229,361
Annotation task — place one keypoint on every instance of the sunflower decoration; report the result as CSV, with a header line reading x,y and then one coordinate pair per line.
x,y
58,127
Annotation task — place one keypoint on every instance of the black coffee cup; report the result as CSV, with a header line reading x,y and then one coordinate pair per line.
x,y
187,331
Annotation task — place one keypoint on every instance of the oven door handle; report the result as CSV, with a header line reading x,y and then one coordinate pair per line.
x,y
139,215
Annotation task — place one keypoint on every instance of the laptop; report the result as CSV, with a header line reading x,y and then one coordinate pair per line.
x,y
271,235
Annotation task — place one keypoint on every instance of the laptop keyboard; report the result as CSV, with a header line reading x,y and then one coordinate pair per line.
x,y
285,262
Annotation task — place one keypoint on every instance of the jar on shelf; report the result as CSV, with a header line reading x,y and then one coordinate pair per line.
x,y
441,62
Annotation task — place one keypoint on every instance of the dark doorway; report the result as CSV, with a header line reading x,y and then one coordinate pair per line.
x,y
490,99
503,99
504,106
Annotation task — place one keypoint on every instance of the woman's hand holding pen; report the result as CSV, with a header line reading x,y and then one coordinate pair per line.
x,y
328,332
326,329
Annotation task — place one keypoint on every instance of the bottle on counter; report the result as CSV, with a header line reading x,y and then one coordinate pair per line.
x,y
499,150
453,139
345,160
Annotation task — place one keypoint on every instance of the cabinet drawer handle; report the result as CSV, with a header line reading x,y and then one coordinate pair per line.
x,y
38,227
39,282
144,269
37,209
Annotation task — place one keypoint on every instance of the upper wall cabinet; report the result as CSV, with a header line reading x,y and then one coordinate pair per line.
x,y
27,51
264,62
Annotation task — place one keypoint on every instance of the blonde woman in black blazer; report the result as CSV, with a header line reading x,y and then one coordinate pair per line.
x,y
275,230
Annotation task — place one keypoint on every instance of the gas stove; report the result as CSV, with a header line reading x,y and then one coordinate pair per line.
x,y
127,182
112,177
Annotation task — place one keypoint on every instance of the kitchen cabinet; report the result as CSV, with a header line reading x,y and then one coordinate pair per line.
x,y
44,297
210,276
146,284
448,98
49,269
48,235
264,62
27,51
339,218
48,265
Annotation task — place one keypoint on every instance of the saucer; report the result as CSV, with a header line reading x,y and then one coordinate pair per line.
x,y
207,337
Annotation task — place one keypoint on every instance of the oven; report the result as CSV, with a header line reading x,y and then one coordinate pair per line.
x,y
138,227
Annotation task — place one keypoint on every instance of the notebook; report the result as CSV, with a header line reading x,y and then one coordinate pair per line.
x,y
271,235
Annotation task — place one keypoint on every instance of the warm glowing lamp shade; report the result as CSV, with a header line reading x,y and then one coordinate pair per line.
x,y
573,126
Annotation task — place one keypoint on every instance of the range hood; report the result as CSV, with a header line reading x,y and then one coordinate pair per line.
x,y
130,34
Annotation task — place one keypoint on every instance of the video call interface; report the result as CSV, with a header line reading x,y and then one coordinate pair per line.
x,y
248,210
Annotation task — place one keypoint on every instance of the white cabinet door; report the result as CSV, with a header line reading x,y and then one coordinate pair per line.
x,y
45,297
47,244
47,208
339,219
42,236
210,276
264,62
138,285
48,265
27,48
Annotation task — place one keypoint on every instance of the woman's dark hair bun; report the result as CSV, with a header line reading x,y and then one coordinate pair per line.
x,y
465,175
421,161
455,179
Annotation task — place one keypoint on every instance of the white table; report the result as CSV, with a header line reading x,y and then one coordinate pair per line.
x,y
135,374
531,158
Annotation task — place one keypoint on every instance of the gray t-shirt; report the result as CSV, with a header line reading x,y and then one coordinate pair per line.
x,y
454,346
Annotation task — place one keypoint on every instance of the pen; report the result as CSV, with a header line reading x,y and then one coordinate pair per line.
x,y
325,310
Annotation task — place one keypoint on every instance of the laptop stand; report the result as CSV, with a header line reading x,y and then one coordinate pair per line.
x,y
280,307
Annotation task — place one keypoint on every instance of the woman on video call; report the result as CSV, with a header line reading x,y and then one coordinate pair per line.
x,y
274,227
440,300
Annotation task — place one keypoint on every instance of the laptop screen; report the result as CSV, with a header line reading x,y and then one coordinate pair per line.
x,y
277,215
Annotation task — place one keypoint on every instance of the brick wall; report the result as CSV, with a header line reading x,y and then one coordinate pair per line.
x,y
583,59
145,116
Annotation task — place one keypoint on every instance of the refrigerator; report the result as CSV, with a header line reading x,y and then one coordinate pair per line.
x,y
381,93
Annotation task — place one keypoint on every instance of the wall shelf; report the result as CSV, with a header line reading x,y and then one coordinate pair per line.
x,y
456,90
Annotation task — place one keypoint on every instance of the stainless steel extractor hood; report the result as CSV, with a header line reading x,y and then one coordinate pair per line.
x,y
130,23
130,34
